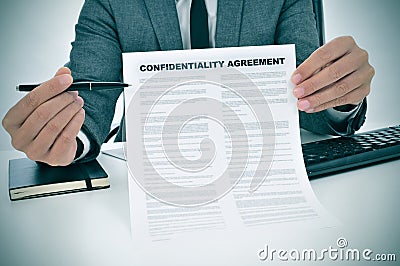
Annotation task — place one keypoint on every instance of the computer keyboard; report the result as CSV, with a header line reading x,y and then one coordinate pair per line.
x,y
343,153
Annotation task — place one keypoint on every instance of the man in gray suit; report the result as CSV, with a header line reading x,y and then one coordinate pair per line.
x,y
56,127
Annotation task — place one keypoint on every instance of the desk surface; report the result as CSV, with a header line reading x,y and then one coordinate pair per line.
x,y
93,228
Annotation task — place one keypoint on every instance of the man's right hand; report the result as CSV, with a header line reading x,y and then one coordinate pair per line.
x,y
44,124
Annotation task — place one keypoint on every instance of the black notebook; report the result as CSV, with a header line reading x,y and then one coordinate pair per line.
x,y
29,179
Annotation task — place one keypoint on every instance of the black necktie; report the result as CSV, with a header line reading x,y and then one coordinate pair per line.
x,y
198,25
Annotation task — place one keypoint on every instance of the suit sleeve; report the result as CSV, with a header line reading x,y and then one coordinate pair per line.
x,y
96,56
297,25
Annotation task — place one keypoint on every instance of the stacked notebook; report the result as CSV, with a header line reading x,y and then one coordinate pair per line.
x,y
29,179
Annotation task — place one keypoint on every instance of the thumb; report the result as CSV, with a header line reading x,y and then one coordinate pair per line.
x,y
63,70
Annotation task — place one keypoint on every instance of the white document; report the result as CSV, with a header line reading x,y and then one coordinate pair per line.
x,y
213,144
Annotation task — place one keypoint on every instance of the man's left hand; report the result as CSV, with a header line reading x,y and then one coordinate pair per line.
x,y
336,74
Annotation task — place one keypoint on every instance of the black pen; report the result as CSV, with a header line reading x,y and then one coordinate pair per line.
x,y
81,86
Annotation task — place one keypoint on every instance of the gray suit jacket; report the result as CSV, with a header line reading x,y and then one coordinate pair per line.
x,y
107,28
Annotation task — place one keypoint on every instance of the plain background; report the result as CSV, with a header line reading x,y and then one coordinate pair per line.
x,y
36,37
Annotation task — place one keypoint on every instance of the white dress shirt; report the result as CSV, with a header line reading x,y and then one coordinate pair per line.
x,y
183,9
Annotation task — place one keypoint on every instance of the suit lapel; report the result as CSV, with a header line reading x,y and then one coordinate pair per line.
x,y
229,20
164,19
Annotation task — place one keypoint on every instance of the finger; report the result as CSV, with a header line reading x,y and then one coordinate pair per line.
x,y
323,56
66,70
335,90
40,117
63,70
53,129
47,90
64,148
353,97
332,73
41,145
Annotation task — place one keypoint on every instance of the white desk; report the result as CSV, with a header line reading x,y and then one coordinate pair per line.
x,y
93,228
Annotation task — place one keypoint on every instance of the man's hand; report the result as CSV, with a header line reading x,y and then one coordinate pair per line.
x,y
44,124
336,74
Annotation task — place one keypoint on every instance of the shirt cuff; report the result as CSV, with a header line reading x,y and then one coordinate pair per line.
x,y
86,144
